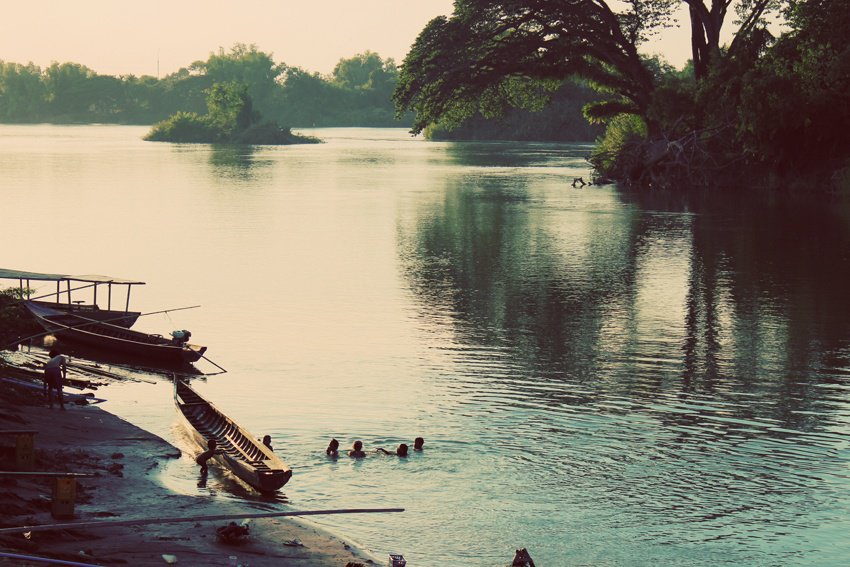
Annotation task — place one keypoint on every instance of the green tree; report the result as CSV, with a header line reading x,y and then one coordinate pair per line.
x,y
707,21
247,65
229,107
183,90
309,100
22,92
15,321
794,105
494,54
70,89
360,71
365,85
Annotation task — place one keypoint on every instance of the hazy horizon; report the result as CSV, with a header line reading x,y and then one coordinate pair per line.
x,y
158,38
115,38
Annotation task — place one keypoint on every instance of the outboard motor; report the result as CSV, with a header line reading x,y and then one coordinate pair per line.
x,y
180,337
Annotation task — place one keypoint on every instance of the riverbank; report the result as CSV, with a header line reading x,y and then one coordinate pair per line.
x,y
124,460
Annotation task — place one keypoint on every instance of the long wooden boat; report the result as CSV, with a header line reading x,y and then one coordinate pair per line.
x,y
241,452
124,319
72,327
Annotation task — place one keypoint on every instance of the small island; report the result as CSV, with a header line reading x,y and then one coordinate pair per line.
x,y
230,119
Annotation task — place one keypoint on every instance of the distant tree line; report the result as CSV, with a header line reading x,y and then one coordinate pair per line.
x,y
357,93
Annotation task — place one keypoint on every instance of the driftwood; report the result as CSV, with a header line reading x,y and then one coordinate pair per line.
x,y
700,158
695,160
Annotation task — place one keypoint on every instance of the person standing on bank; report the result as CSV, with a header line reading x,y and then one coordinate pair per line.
x,y
55,372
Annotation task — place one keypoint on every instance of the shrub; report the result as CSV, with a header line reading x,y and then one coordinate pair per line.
x,y
619,152
184,127
270,133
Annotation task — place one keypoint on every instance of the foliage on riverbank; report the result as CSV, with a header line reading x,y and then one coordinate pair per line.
x,y
230,119
561,120
15,320
357,92
761,110
775,115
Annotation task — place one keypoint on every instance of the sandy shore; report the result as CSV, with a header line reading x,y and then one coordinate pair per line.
x,y
124,458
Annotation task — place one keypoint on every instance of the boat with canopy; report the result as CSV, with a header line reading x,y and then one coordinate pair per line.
x,y
86,323
65,300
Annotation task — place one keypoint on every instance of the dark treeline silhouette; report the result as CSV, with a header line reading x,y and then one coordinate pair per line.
x,y
764,110
357,93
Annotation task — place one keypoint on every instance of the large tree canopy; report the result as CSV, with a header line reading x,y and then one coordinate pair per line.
x,y
494,53
486,53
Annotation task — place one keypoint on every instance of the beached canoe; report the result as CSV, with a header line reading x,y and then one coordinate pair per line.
x,y
75,328
240,452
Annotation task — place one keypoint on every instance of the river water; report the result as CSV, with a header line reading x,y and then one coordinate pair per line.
x,y
602,377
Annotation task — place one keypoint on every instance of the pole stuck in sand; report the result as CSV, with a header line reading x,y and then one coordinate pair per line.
x,y
144,521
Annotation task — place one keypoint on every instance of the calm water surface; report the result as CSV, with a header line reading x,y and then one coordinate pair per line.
x,y
604,378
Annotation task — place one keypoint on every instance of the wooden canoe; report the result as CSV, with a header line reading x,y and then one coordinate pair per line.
x,y
240,452
124,319
114,338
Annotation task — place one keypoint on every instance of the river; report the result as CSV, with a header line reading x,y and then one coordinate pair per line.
x,y
603,377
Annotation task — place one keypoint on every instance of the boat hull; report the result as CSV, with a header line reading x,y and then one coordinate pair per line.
x,y
240,451
143,346
124,319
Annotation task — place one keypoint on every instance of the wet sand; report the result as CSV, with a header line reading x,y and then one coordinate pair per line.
x,y
125,458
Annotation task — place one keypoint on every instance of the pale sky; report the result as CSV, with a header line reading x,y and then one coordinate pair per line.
x,y
120,37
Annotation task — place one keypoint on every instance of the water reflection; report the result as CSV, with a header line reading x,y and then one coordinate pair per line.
x,y
500,270
667,373
509,154
238,162
675,348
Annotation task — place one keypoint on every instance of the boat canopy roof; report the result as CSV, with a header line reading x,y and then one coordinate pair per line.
x,y
88,278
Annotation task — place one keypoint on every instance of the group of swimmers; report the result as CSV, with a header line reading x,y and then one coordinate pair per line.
x,y
357,451
332,450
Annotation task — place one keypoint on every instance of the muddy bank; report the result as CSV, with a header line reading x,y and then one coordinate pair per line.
x,y
124,460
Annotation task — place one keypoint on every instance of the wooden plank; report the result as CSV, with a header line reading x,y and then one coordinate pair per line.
x,y
45,474
148,521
